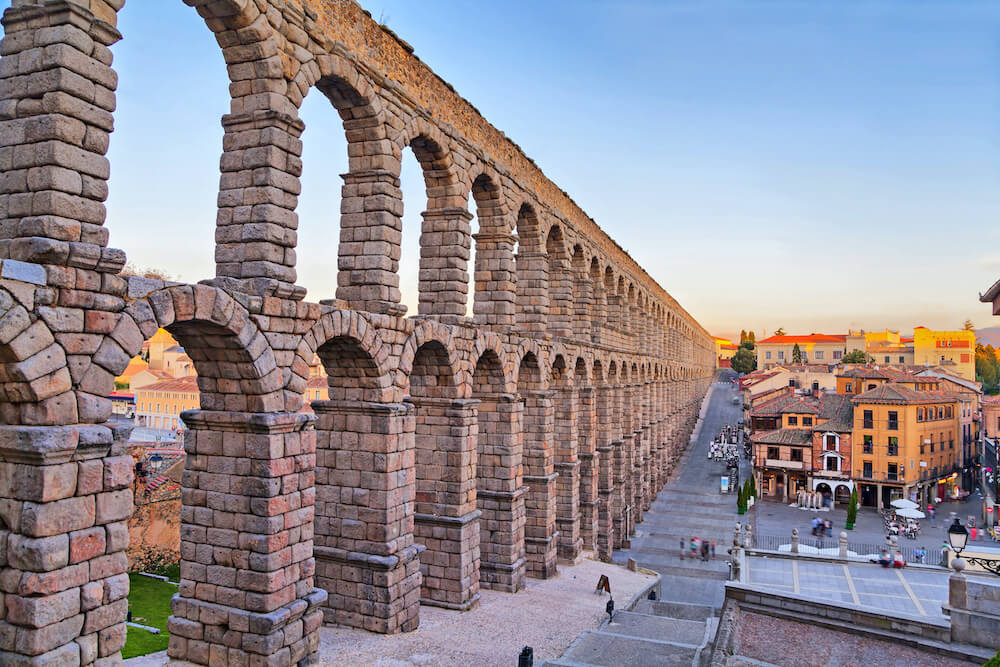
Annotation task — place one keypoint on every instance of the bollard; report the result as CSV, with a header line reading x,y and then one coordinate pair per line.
x,y
748,536
736,534
843,545
795,540
527,657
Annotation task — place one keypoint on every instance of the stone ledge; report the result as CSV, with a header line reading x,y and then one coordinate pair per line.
x,y
370,561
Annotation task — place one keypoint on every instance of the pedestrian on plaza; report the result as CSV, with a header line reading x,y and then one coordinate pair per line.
x,y
704,550
694,548
931,512
713,549
828,525
973,532
683,547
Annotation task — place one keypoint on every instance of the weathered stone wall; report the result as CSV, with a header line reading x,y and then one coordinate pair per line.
x,y
453,453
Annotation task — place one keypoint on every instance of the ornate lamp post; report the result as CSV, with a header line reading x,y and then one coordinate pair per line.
x,y
958,538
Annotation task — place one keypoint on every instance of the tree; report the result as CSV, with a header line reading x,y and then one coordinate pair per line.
x,y
857,357
780,331
743,336
752,337
987,368
852,508
748,345
131,269
743,361
968,326
796,354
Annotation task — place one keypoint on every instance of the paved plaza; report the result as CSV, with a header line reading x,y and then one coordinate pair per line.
x,y
912,591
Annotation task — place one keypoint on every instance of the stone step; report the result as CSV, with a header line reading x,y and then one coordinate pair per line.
x,y
607,649
656,628
680,610
717,570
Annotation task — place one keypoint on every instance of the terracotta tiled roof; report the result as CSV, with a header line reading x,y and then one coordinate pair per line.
x,y
891,392
811,338
134,366
838,412
789,403
184,384
784,436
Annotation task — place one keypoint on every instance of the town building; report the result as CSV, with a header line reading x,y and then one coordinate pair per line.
x,y
906,443
802,442
724,351
159,405
937,348
884,347
814,348
991,416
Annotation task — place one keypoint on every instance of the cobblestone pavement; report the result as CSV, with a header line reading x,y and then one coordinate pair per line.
x,y
691,505
912,591
547,616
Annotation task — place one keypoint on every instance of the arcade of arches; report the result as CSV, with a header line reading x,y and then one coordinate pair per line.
x,y
454,453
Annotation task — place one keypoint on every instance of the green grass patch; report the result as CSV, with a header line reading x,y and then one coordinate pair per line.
x,y
149,601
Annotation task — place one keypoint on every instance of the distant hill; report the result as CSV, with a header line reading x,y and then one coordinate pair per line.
x,y
990,336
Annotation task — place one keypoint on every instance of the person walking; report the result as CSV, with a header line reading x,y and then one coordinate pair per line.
x,y
931,511
713,549
684,547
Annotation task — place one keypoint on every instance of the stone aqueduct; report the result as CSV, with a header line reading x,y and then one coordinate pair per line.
x,y
454,454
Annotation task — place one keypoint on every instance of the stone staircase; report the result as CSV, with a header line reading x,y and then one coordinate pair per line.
x,y
652,633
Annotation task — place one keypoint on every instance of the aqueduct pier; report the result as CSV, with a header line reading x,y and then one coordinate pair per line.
x,y
455,452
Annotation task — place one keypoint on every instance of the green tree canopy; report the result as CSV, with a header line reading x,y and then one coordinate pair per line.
x,y
796,354
856,357
744,361
987,367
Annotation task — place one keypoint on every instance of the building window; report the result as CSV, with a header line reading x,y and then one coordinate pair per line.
x,y
951,443
815,386
820,355
871,386
867,445
866,469
893,472
837,354
887,358
868,421
832,463
772,453
848,387
893,420
797,454
793,421
767,355
948,412
830,442
893,446
902,359
807,421
920,414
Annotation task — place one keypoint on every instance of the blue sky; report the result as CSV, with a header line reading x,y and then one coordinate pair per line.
x,y
810,165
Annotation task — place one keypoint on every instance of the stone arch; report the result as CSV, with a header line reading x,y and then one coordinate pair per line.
x,y
450,368
236,366
494,276
490,341
539,461
583,294
530,347
532,269
560,279
36,385
352,354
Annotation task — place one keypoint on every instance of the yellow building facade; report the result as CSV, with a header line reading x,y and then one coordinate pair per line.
x,y
815,348
159,405
906,443
954,350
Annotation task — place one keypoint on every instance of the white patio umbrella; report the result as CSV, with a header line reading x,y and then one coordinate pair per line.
x,y
910,513
904,504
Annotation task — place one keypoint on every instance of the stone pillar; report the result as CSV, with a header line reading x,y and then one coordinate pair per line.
x,y
583,307
445,242
366,558
447,520
56,102
560,320
540,534
605,468
371,230
67,496
495,280
567,464
246,592
500,493
589,465
256,224
532,291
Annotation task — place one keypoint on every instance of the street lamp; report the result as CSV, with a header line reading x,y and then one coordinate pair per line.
x,y
958,536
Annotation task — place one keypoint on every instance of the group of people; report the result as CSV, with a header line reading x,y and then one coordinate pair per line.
x,y
885,559
822,527
698,548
